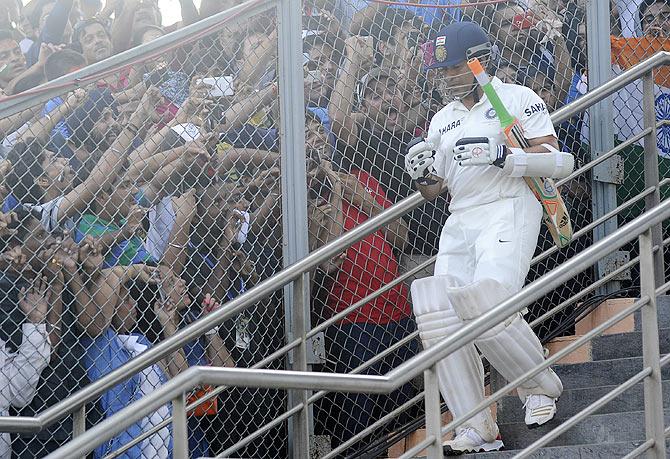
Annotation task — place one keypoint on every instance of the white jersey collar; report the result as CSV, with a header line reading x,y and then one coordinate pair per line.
x,y
495,81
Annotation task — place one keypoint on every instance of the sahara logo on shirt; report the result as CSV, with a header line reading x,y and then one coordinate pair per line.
x,y
536,108
450,126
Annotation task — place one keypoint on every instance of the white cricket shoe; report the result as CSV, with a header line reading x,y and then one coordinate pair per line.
x,y
468,440
540,409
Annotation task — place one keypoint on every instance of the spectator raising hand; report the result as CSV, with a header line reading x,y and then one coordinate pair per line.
x,y
34,300
133,221
146,109
6,220
90,255
14,260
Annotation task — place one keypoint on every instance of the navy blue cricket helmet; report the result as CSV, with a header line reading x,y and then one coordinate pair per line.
x,y
458,42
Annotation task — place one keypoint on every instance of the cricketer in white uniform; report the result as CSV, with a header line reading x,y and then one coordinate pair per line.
x,y
489,239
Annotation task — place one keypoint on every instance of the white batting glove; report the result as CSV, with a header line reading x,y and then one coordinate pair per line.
x,y
419,160
480,151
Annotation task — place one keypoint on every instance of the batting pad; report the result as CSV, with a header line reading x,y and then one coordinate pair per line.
x,y
516,350
473,300
511,346
461,374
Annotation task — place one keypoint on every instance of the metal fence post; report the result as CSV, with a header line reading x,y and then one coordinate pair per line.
x,y
651,173
433,414
179,427
653,390
294,205
601,132
79,421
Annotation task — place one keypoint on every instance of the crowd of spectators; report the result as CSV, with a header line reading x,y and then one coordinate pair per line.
x,y
149,198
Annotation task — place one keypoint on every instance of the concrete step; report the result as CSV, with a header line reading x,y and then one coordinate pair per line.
x,y
595,429
602,372
598,451
623,345
572,401
663,306
592,374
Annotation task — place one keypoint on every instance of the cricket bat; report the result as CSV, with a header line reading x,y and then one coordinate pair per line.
x,y
555,214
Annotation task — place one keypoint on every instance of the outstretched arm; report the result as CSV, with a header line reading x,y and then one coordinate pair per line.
x,y
106,170
343,121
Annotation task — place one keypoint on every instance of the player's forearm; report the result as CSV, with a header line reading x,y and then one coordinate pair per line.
x,y
540,148
430,192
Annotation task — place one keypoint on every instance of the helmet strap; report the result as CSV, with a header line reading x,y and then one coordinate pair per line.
x,y
475,90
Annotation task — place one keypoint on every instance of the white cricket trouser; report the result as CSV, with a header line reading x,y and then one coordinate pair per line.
x,y
484,256
491,241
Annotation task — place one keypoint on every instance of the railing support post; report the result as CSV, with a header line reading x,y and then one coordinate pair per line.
x,y
302,420
601,132
651,173
433,414
294,208
653,391
79,421
179,427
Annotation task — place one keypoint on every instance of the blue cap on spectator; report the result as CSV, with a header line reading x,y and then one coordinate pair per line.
x,y
458,42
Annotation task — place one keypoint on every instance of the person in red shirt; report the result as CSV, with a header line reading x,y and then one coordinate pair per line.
x,y
347,200
370,263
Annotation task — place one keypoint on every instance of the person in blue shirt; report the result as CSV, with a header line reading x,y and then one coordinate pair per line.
x,y
114,337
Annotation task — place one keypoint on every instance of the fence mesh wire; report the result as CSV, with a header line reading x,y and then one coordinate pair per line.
x,y
151,196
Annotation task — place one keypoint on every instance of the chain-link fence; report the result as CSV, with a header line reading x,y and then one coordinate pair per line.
x,y
151,196
133,206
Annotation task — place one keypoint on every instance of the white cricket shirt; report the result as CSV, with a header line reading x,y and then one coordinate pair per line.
x,y
476,185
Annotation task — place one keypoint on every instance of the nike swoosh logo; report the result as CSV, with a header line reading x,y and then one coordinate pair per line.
x,y
500,240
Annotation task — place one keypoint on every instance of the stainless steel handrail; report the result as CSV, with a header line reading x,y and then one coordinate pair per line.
x,y
364,383
25,424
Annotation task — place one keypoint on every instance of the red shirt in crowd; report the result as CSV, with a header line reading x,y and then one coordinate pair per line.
x,y
369,265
